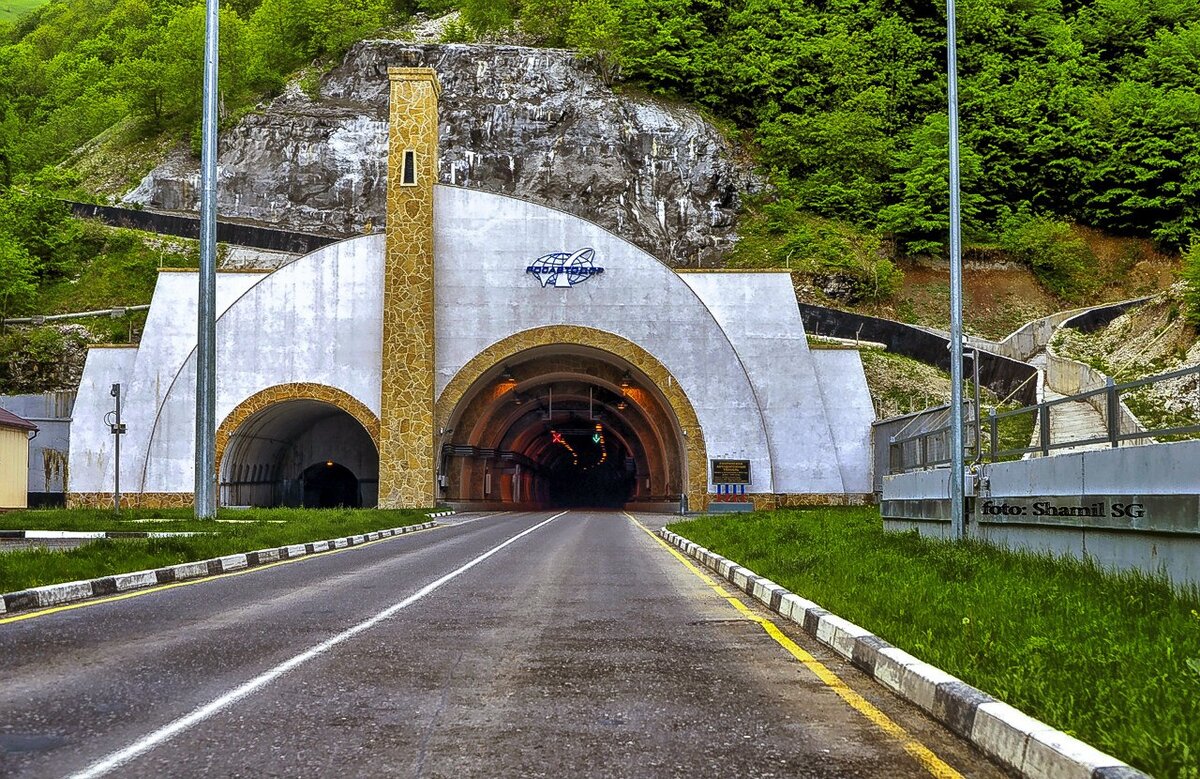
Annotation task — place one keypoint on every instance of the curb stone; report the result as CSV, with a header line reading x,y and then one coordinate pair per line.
x,y
437,514
70,592
1018,741
91,535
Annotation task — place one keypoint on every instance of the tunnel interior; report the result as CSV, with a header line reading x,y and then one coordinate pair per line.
x,y
300,453
563,426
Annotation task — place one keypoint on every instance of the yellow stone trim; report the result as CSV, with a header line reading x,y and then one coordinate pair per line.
x,y
416,74
766,501
407,457
131,500
282,393
575,335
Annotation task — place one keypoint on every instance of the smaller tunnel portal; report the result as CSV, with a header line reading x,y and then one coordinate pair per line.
x,y
300,453
329,485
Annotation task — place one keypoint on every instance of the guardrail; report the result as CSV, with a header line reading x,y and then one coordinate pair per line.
x,y
929,448
114,313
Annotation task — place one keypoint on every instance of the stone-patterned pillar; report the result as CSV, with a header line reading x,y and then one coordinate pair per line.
x,y
407,459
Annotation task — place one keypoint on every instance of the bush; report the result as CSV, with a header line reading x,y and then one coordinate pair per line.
x,y
846,263
1191,278
1062,262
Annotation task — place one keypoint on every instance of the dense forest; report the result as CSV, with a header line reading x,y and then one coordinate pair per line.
x,y
1073,111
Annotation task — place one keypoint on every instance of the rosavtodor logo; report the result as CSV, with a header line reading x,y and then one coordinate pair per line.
x,y
565,269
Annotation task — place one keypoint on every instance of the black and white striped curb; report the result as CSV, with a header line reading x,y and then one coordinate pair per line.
x,y
58,594
437,514
1032,748
90,535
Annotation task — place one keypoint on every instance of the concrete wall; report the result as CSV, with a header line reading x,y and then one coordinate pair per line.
x,y
316,321
147,373
1135,507
794,395
738,351
51,412
485,242
1071,377
849,411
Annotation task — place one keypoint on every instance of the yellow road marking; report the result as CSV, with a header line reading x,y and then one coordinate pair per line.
x,y
922,753
201,579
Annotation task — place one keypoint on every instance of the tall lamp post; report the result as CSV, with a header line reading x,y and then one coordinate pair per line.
x,y
957,486
206,358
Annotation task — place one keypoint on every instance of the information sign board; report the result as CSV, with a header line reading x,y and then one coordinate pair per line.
x,y
730,471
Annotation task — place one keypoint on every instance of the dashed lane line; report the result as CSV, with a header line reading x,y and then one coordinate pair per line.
x,y
923,754
117,759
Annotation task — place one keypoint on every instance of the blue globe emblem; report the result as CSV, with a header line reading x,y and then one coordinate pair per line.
x,y
565,269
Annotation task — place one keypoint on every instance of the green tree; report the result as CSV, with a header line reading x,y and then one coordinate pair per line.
x,y
919,217
1191,278
594,28
18,277
1060,260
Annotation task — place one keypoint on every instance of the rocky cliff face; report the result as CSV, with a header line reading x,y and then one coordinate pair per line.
x,y
533,123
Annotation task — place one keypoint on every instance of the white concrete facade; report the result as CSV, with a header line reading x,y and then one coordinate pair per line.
x,y
734,342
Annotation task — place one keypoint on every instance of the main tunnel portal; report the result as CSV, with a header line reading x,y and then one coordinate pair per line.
x,y
563,426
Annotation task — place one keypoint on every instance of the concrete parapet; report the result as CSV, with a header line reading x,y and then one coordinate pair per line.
x,y
1133,508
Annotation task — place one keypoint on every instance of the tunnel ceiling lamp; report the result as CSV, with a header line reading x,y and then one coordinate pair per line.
x,y
626,381
507,379
329,463
517,399
622,405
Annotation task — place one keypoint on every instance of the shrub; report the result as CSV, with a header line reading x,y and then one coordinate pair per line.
x,y
1191,278
1061,261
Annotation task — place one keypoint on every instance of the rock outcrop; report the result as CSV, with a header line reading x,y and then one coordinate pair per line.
x,y
533,123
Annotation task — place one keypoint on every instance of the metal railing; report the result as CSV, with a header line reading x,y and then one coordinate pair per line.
x,y
929,448
38,320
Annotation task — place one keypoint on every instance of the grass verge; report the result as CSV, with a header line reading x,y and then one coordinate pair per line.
x,y
1113,659
266,528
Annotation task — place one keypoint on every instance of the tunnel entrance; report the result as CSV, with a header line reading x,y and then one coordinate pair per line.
x,y
329,485
586,469
300,453
563,426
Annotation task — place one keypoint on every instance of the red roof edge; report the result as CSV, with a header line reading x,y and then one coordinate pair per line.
x,y
9,419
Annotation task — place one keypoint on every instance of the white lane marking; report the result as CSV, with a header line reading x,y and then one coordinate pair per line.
x,y
117,759
477,519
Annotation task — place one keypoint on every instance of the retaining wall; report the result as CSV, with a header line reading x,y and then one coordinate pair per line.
x,y
1132,508
1000,374
189,227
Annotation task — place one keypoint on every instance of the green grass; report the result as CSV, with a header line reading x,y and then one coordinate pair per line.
x,y
32,568
1113,659
11,10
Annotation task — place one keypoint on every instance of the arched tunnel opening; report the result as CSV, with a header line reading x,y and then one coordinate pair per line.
x,y
300,453
563,427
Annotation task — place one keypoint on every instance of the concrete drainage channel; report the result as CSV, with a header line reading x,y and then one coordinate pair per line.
x,y
70,592
1019,742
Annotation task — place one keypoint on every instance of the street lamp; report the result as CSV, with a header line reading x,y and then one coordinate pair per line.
x,y
957,486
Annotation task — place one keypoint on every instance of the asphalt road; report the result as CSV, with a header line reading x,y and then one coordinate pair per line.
x,y
583,647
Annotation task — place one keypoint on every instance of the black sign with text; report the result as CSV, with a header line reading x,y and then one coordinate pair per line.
x,y
730,471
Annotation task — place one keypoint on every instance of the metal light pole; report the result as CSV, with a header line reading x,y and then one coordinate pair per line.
x,y
206,358
118,429
957,529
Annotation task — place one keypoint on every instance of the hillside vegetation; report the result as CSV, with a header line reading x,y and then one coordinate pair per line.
x,y
1081,118
1086,111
